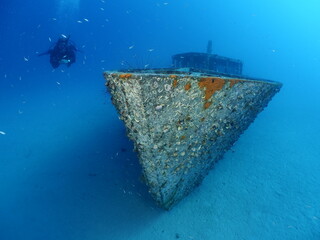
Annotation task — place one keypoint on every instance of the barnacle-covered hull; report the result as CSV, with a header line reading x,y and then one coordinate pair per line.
x,y
182,124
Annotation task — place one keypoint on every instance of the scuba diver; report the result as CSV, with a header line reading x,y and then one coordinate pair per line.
x,y
63,52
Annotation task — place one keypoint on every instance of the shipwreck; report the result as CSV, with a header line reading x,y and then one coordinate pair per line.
x,y
183,119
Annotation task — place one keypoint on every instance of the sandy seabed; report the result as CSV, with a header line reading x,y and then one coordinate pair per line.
x,y
68,172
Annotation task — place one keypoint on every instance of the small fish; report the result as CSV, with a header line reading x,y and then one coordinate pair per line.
x,y
25,59
79,21
2,133
151,50
102,9
86,19
58,83
54,19
64,36
49,39
131,47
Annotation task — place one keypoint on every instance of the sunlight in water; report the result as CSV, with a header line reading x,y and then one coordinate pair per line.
x,y
68,6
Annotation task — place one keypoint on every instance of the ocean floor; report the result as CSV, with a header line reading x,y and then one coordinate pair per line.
x,y
68,172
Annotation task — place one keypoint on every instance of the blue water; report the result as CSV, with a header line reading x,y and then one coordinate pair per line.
x,y
67,169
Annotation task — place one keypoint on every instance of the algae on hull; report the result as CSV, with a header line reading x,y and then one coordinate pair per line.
x,y
182,124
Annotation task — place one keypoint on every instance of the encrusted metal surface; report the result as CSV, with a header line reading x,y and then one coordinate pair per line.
x,y
182,124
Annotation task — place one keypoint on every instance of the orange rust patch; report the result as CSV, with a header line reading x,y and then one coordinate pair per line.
x,y
187,86
211,85
125,75
183,137
206,105
175,83
173,76
233,82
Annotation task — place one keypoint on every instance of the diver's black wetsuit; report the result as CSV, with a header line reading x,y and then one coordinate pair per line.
x,y
62,52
